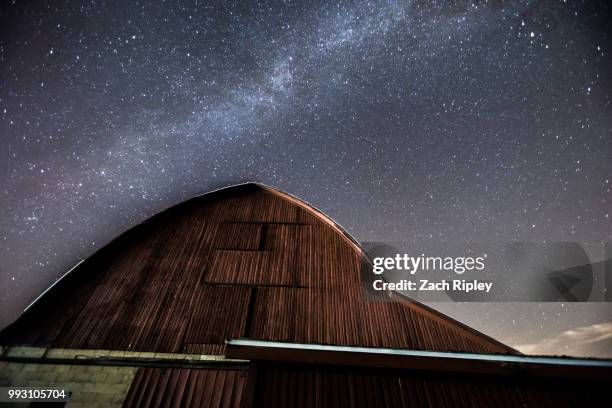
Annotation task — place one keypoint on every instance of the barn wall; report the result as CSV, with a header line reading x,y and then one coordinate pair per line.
x,y
243,262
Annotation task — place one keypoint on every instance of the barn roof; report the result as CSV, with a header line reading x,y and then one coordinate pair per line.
x,y
246,261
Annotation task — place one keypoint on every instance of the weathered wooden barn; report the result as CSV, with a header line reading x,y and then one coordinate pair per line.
x,y
247,296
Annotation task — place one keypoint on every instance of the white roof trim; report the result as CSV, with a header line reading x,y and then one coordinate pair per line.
x,y
505,358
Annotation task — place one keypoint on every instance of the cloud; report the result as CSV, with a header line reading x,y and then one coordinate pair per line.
x,y
587,341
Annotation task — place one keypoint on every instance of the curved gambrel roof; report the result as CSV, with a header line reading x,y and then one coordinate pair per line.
x,y
246,261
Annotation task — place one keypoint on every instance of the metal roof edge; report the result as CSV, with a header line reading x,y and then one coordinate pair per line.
x,y
53,284
439,361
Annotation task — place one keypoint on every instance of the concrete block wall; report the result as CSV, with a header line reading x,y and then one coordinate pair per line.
x,y
82,371
91,385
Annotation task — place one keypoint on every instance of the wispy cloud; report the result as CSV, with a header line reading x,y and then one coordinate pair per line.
x,y
588,341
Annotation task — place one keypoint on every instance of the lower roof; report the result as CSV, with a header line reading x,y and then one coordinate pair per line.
x,y
469,363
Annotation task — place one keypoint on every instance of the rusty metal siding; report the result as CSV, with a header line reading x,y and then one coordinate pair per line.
x,y
240,268
184,387
304,316
218,313
262,207
241,236
243,262
272,263
293,385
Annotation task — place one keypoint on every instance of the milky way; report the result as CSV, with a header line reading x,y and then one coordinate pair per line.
x,y
412,120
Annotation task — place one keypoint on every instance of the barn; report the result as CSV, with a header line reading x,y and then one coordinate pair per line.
x,y
247,296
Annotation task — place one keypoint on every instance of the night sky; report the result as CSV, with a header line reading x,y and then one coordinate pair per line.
x,y
417,120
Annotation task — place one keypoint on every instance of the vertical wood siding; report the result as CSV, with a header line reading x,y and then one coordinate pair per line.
x,y
243,262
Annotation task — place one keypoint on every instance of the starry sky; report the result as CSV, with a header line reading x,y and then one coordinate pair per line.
x,y
402,120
